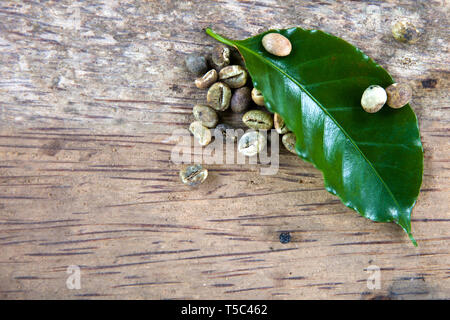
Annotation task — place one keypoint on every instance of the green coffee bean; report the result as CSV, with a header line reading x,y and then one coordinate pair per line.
x,y
405,31
398,95
257,119
289,141
206,115
234,76
277,44
279,124
219,96
251,143
200,132
257,97
373,99
193,175
206,80
220,56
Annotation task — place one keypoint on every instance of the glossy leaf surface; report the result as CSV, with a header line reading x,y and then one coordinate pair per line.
x,y
373,162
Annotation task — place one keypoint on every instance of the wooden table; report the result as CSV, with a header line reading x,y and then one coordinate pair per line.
x,y
91,92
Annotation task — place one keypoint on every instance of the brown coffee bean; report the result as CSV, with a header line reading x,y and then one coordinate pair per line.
x,y
241,99
193,175
279,124
220,56
257,119
398,95
234,76
257,97
200,132
206,115
277,44
219,96
289,141
206,80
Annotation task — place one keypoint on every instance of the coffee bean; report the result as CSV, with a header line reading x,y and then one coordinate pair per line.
x,y
236,57
405,31
196,64
289,141
222,129
277,44
398,95
251,143
373,99
206,115
193,175
200,132
220,56
257,119
241,99
206,80
219,96
234,76
279,124
257,97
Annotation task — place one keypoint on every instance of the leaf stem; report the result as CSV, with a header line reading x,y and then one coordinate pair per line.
x,y
211,33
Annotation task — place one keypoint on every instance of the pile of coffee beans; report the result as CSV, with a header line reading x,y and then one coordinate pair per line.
x,y
229,87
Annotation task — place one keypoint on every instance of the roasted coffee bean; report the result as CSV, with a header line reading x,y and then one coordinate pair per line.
x,y
257,97
234,76
206,80
241,99
222,129
277,44
279,124
289,141
220,56
257,119
193,175
251,143
196,64
206,115
219,96
200,132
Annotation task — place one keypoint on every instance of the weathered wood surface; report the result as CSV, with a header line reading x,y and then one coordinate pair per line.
x,y
92,90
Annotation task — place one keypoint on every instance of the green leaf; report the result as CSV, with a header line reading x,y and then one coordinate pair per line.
x,y
373,162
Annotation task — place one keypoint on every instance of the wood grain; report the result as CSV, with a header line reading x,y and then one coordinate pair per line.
x,y
91,92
